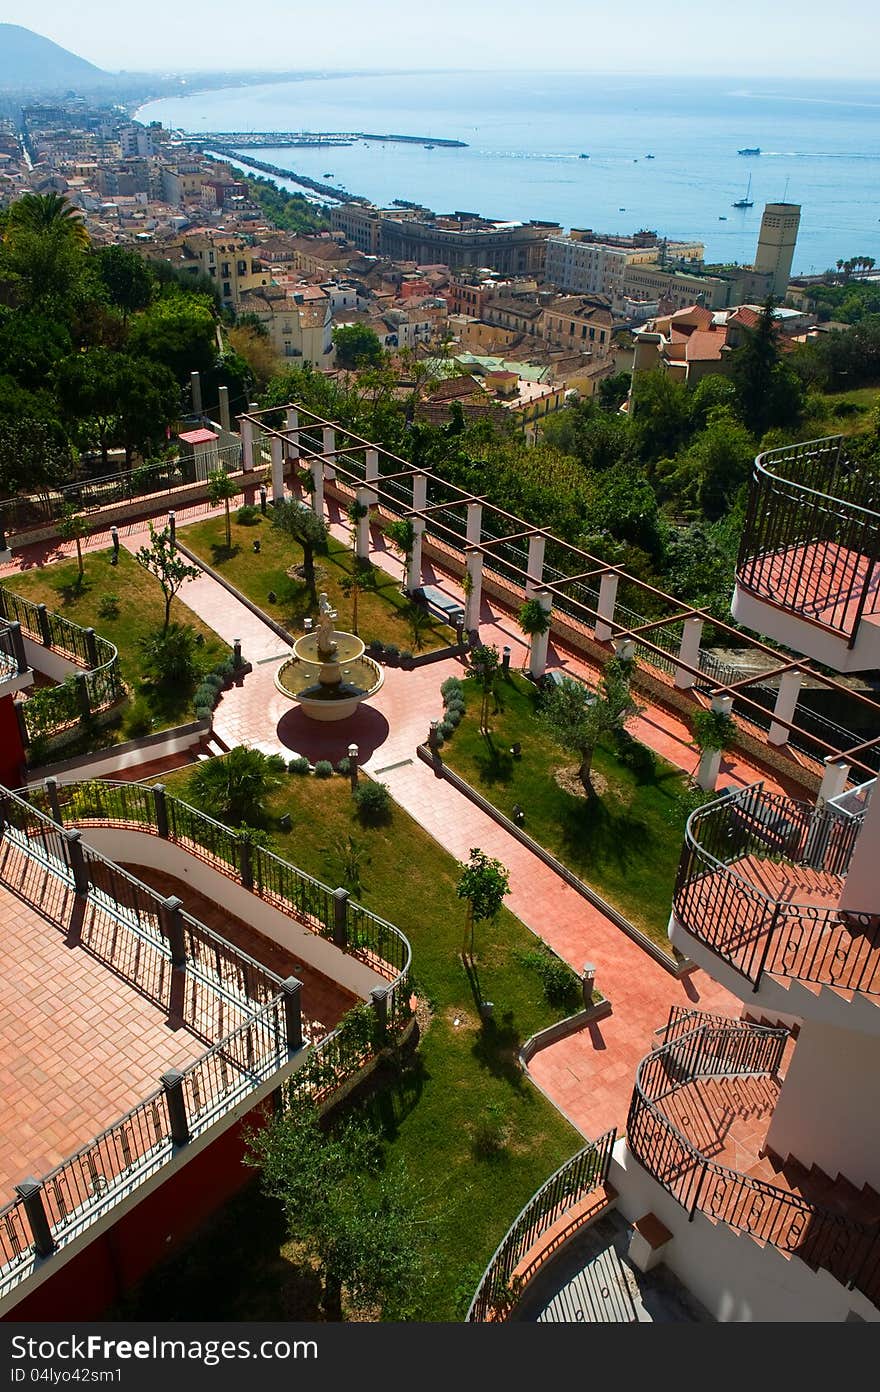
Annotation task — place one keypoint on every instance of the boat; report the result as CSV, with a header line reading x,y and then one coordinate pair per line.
x,y
328,175
649,156
749,151
583,156
722,217
427,147
621,210
745,202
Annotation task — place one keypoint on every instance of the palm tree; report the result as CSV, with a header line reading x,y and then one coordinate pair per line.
x,y
49,212
236,786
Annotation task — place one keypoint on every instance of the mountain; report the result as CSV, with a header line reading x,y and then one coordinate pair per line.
x,y
28,62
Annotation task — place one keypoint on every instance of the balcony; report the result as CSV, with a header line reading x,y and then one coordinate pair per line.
x,y
698,1120
758,884
808,572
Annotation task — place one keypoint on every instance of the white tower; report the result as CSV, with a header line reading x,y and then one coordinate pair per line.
x,y
776,243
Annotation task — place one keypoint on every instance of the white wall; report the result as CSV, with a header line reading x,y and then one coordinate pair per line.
x,y
806,637
140,848
827,1113
47,661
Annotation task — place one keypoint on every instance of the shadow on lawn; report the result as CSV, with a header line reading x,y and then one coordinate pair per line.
x,y
593,831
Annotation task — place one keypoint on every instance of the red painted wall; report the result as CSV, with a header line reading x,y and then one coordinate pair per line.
x,y
117,1260
11,749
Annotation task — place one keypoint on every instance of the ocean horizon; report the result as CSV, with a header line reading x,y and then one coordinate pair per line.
x,y
526,133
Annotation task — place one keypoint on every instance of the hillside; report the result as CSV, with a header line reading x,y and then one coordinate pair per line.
x,y
30,62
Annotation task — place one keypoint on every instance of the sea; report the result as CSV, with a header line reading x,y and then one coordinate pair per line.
x,y
661,152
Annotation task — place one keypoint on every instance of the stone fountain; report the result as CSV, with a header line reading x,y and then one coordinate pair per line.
x,y
329,674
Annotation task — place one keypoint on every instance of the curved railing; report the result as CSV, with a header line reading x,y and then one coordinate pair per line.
x,y
108,1168
848,1249
97,658
811,539
352,927
717,900
579,1177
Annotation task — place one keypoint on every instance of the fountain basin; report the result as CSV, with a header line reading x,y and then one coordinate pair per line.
x,y
329,688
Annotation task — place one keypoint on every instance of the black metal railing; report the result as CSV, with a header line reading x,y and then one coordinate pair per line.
x,y
811,540
719,898
253,1044
579,1177
786,1220
97,802
96,657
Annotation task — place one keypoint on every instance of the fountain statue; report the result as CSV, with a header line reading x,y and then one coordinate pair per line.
x,y
326,615
329,673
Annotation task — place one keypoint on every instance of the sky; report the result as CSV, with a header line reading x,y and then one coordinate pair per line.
x,y
751,38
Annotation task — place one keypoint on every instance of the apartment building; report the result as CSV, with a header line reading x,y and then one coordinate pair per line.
x,y
230,261
459,240
574,321
299,320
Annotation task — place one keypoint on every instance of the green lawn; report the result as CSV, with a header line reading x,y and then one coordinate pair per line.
x,y
140,609
625,843
846,412
382,610
464,1076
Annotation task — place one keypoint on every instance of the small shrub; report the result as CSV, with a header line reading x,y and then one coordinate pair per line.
x,y
299,765
138,719
343,765
406,657
454,702
392,652
323,769
205,695
109,606
375,648
562,986
446,728
451,684
452,718
634,755
203,712
247,515
372,800
213,679
170,657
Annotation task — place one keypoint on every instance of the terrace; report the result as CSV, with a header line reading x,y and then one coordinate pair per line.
x,y
131,1027
759,884
807,573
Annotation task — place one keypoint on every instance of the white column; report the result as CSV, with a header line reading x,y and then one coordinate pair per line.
x,y
540,641
371,471
318,491
420,492
414,569
292,427
276,445
786,700
223,395
834,780
607,601
474,600
247,445
861,890
328,435
689,652
625,649
195,383
474,523
710,763
535,563
362,543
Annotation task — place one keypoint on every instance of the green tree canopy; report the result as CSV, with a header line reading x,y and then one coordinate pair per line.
x,y
236,787
357,345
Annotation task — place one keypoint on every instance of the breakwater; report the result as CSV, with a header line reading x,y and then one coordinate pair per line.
x,y
328,190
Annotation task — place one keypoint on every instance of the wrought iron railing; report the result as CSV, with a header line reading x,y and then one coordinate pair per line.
x,y
97,658
718,900
819,1236
365,935
811,540
87,1184
579,1177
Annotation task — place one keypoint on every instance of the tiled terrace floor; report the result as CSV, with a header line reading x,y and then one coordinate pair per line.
x,y
323,1001
79,1046
822,580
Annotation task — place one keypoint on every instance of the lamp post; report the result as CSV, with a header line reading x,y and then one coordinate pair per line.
x,y
353,765
114,538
